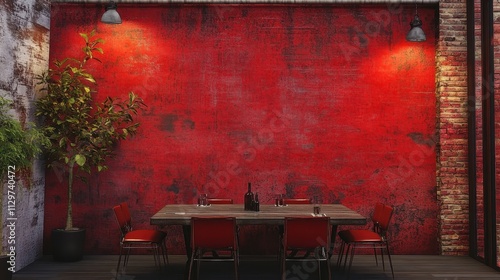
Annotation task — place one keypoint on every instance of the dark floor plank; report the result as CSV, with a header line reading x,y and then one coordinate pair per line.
x,y
142,267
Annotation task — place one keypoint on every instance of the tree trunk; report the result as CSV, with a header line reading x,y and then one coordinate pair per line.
x,y
69,217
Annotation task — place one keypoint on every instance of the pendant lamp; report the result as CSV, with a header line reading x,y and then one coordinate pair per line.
x,y
416,34
111,16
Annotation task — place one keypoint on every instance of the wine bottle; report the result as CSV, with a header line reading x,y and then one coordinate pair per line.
x,y
256,203
249,198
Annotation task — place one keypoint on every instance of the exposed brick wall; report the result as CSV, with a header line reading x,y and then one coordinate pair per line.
x,y
24,49
452,179
452,122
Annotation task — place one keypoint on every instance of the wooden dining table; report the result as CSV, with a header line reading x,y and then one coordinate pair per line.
x,y
181,214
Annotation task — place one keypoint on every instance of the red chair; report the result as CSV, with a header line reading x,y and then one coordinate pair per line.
x,y
287,201
375,238
139,238
210,234
308,234
220,201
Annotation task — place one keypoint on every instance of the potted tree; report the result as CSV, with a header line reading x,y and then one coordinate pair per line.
x,y
18,146
82,132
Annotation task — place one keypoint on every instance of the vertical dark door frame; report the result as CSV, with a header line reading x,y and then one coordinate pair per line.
x,y
488,129
488,132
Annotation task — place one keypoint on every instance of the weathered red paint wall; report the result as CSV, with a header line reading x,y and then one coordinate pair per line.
x,y
303,100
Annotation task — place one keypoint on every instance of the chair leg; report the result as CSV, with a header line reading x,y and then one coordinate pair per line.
x,y
382,256
126,257
283,265
353,249
341,254
346,255
155,254
157,250
324,254
191,260
328,270
236,265
198,263
119,262
165,254
319,268
390,261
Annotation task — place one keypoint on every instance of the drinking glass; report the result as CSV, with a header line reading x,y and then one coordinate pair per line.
x,y
316,207
203,200
279,200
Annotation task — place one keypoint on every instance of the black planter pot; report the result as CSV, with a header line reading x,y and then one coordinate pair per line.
x,y
67,245
5,273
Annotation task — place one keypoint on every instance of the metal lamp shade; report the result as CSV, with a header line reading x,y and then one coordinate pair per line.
x,y
416,34
111,16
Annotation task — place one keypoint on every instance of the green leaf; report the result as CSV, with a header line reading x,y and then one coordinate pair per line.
x,y
85,37
80,159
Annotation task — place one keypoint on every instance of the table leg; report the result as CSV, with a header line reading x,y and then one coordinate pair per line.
x,y
186,230
333,237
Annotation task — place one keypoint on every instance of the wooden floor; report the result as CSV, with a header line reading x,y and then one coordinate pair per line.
x,y
141,267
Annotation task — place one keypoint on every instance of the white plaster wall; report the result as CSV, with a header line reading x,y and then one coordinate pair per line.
x,y
24,53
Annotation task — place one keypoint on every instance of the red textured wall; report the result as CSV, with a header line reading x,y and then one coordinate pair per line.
x,y
303,100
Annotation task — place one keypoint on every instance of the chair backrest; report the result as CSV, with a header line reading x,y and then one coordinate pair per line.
x,y
382,217
307,232
220,201
122,215
296,201
126,212
213,232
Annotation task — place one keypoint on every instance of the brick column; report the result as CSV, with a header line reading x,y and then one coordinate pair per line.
x,y
451,79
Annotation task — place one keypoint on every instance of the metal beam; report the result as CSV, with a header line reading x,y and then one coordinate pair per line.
x,y
488,106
